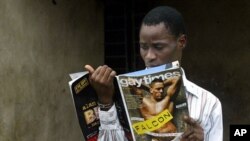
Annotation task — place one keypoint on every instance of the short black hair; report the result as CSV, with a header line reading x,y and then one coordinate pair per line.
x,y
171,18
156,80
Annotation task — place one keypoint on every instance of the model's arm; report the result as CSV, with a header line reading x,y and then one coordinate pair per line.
x,y
173,84
137,90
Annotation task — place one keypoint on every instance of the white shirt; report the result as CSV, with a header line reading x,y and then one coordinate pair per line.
x,y
206,109
203,107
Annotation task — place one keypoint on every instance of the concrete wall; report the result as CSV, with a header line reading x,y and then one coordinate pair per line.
x,y
40,44
218,52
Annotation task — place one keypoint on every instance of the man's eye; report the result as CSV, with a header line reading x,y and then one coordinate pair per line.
x,y
158,46
145,47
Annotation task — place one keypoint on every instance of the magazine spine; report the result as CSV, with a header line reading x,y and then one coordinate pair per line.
x,y
126,109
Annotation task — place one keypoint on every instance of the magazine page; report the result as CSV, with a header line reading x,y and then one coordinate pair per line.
x,y
155,103
121,112
85,101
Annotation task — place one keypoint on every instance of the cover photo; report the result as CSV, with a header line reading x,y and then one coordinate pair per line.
x,y
155,103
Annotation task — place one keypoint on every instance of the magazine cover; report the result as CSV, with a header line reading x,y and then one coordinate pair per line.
x,y
155,102
85,101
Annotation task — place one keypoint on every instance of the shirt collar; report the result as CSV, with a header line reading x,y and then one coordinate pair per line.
x,y
190,87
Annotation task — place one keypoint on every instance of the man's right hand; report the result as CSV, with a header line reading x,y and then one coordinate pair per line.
x,y
101,80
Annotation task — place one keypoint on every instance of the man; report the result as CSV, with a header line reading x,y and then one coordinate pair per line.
x,y
162,39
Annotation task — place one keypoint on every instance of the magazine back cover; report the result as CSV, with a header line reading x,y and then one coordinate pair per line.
x,y
155,103
85,101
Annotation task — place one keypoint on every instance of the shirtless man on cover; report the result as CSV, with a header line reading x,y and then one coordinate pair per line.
x,y
157,101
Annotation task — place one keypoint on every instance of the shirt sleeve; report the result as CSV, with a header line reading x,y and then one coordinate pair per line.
x,y
216,131
110,129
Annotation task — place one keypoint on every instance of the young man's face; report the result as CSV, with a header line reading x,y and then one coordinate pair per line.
x,y
158,46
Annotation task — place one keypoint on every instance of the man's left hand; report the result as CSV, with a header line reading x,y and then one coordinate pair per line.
x,y
194,132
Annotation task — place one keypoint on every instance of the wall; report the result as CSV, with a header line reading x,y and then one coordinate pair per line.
x,y
40,44
218,52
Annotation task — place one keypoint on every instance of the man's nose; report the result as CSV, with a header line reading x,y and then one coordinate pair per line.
x,y
151,54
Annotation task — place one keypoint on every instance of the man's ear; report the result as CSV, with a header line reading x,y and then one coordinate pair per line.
x,y
151,90
182,41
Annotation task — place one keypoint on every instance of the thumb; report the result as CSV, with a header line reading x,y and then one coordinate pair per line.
x,y
189,120
89,68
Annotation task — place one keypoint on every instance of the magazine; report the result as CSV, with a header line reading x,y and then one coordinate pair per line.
x,y
86,106
150,103
85,101
155,102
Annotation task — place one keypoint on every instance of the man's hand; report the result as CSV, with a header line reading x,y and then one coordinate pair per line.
x,y
194,132
101,80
